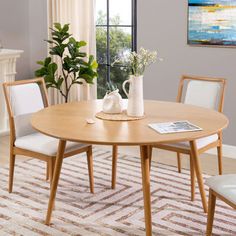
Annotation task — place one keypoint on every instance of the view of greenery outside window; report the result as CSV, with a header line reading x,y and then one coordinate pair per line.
x,y
115,37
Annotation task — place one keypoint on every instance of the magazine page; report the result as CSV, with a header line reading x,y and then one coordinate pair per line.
x,y
174,127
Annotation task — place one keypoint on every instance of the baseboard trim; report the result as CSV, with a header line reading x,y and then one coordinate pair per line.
x,y
228,151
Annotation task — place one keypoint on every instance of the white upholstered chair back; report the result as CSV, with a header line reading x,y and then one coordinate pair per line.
x,y
203,93
23,98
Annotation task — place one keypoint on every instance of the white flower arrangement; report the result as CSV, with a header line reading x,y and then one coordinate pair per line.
x,y
136,62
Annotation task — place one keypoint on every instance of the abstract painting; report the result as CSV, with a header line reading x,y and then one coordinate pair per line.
x,y
212,22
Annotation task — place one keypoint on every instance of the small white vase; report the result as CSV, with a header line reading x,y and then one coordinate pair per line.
x,y
135,96
112,102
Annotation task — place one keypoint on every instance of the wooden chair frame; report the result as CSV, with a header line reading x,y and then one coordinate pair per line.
x,y
50,160
211,209
217,144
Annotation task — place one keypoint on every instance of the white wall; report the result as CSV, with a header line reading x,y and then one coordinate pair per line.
x,y
14,31
23,25
38,32
162,26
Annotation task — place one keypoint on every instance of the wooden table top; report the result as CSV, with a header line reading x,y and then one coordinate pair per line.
x,y
68,122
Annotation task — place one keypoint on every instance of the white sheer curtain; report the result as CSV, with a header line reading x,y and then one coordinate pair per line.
x,y
80,14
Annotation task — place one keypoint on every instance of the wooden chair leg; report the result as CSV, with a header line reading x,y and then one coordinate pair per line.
x,y
114,165
11,171
48,170
179,162
51,165
219,154
90,168
192,175
211,212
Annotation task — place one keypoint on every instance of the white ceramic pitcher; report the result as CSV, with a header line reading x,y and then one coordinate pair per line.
x,y
135,95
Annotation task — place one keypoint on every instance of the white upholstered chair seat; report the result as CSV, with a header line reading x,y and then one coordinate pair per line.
x,y
225,185
202,142
41,143
23,99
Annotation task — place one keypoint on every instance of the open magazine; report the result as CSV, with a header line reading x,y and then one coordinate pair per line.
x,y
174,127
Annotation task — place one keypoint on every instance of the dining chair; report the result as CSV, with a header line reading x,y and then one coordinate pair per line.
x,y
23,98
205,92
224,188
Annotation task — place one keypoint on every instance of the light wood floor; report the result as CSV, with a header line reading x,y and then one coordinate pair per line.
x,y
208,162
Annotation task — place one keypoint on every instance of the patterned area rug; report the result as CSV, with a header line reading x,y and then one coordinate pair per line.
x,y
107,212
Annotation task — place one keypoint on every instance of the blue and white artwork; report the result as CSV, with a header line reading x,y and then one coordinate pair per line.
x,y
212,22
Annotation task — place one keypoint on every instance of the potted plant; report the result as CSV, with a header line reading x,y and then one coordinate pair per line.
x,y
75,66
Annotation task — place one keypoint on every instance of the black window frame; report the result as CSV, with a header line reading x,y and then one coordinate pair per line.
x,y
133,27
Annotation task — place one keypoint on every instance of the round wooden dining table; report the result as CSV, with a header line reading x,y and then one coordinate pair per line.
x,y
68,122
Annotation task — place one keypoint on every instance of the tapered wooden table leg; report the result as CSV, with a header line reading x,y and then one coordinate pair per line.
x,y
56,176
198,171
144,151
114,165
179,162
150,157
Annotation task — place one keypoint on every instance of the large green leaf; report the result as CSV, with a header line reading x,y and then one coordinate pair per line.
x,y
72,40
47,61
58,50
40,72
49,41
91,59
94,65
59,82
40,63
49,79
81,44
57,26
65,28
52,68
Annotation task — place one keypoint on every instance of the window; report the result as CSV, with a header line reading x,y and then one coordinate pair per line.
x,y
116,26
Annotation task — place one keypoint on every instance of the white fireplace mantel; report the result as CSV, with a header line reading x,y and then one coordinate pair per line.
x,y
7,74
